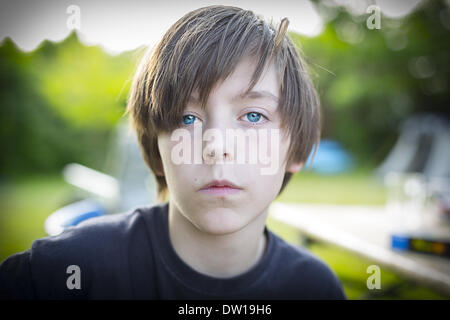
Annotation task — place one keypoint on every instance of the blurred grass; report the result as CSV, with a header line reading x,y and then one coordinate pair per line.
x,y
359,187
24,206
26,203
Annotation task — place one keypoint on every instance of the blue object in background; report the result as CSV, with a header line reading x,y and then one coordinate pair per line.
x,y
73,214
330,158
399,242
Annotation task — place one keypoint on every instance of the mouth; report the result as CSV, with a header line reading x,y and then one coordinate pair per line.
x,y
220,187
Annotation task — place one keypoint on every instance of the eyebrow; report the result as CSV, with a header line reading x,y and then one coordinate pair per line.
x,y
258,94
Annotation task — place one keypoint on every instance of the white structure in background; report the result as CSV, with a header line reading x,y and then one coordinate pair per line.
x,y
130,184
423,147
417,173
136,182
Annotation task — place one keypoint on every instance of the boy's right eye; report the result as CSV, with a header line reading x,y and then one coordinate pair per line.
x,y
188,119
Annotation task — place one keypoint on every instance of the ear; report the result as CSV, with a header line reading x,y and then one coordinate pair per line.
x,y
295,167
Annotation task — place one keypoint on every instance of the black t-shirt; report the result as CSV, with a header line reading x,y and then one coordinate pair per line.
x,y
130,256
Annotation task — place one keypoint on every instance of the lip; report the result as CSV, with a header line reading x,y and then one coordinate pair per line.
x,y
220,187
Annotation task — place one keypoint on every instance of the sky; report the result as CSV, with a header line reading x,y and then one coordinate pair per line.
x,y
119,26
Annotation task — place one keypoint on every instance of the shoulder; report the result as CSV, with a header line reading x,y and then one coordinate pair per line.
x,y
15,277
91,251
101,236
304,274
105,233
98,248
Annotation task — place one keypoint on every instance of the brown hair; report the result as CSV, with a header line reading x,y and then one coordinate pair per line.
x,y
204,47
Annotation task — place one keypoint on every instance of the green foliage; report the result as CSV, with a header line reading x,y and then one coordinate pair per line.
x,y
59,105
370,81
84,84
30,132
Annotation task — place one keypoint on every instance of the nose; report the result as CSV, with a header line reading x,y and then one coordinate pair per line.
x,y
216,149
215,155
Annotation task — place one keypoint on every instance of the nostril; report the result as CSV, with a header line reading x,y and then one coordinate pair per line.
x,y
213,155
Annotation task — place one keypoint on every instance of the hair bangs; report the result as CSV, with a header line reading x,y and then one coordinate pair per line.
x,y
205,56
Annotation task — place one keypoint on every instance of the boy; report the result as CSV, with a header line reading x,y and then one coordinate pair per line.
x,y
219,69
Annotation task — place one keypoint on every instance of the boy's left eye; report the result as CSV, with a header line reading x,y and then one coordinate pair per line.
x,y
189,119
254,117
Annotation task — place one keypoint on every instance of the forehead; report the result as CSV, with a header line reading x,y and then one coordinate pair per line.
x,y
237,83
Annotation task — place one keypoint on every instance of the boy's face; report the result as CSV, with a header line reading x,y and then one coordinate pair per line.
x,y
224,212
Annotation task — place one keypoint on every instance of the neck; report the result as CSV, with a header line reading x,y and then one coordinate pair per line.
x,y
223,255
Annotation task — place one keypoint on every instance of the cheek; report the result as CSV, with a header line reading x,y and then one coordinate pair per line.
x,y
177,175
275,149
264,188
285,142
270,184
165,146
164,151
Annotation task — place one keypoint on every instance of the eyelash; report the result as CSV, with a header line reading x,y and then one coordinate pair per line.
x,y
252,123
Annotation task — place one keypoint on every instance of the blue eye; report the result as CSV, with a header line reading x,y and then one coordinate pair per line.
x,y
188,119
253,116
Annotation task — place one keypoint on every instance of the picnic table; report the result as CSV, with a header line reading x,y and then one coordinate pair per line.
x,y
365,231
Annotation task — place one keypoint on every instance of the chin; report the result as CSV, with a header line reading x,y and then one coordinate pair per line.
x,y
221,221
